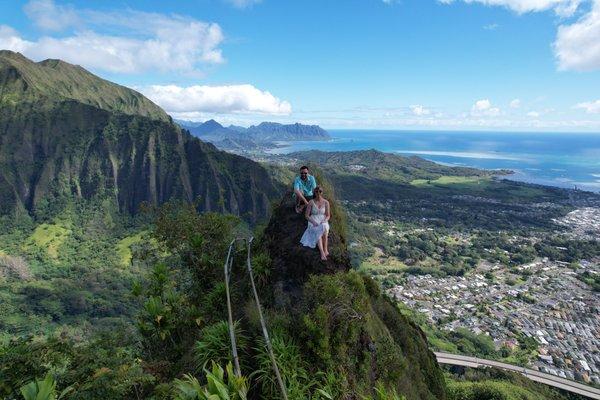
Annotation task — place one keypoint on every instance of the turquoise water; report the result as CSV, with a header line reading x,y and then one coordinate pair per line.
x,y
557,159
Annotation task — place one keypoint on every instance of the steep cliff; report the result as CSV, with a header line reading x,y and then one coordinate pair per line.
x,y
65,133
342,322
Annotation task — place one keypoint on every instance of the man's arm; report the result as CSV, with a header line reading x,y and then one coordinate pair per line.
x,y
299,193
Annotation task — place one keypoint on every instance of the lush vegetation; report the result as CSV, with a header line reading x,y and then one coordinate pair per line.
x,y
65,274
55,80
341,339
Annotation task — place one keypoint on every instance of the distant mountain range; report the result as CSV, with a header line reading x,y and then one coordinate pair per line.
x,y
67,134
265,134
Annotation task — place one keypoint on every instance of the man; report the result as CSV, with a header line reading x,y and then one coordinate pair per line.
x,y
304,184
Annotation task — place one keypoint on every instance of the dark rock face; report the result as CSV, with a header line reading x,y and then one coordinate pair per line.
x,y
72,149
292,262
66,133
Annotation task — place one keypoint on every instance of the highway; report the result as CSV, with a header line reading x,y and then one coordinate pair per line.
x,y
537,376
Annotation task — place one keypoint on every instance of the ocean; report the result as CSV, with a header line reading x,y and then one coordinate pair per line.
x,y
566,160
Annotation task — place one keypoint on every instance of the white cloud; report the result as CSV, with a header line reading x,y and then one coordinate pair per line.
x,y
47,15
10,39
482,105
232,99
491,27
150,42
483,108
419,110
243,3
516,103
577,46
533,114
590,107
560,7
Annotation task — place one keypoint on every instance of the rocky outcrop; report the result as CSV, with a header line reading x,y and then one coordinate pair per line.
x,y
340,318
293,263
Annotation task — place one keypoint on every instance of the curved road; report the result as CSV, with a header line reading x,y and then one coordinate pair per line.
x,y
548,379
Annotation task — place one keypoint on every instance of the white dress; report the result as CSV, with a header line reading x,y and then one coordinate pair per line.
x,y
313,233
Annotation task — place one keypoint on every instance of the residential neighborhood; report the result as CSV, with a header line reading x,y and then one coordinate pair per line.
x,y
552,306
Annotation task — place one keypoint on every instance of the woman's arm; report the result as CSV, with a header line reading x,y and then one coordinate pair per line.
x,y
308,215
327,212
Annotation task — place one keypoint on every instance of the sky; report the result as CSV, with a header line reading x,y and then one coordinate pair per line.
x,y
518,65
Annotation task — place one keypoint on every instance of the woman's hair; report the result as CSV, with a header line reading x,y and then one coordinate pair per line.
x,y
317,189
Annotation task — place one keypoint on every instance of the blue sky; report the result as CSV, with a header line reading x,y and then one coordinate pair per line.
x,y
406,64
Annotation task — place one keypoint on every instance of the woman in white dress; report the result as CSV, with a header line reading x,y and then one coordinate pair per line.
x,y
317,213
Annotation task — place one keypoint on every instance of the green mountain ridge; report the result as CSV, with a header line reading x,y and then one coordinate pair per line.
x,y
23,81
65,133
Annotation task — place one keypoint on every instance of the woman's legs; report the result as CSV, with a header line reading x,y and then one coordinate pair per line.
x,y
326,242
320,244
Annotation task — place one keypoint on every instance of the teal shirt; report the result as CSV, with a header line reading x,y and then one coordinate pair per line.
x,y
306,186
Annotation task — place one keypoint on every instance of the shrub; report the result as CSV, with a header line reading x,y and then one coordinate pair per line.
x,y
215,344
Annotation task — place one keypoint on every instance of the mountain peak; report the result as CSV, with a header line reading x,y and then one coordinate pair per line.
x,y
54,81
212,123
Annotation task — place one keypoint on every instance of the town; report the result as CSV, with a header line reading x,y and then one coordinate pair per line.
x,y
546,300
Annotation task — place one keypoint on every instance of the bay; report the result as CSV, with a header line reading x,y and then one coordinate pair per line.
x,y
569,160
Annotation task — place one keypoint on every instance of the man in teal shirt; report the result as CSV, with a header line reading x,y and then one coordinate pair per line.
x,y
304,184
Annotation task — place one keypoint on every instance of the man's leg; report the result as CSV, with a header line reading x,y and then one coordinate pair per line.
x,y
299,205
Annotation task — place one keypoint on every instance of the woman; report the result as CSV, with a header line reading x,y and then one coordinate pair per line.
x,y
318,214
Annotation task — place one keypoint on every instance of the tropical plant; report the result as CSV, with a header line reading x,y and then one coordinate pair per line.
x,y
381,393
298,381
215,344
42,389
168,320
216,388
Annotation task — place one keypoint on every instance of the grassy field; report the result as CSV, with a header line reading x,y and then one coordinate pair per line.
x,y
467,181
49,237
123,247
380,263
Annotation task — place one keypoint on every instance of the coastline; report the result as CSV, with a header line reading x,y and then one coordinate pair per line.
x,y
537,158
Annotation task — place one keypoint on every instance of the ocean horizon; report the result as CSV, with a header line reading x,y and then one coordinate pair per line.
x,y
567,160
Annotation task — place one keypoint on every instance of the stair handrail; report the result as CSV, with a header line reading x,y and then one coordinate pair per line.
x,y
227,272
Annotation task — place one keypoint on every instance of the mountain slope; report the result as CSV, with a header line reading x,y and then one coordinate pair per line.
x,y
65,133
22,80
340,319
